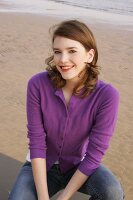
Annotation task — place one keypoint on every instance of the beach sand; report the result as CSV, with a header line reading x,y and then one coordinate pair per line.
x,y
24,45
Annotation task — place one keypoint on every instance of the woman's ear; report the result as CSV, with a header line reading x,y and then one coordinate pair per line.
x,y
91,54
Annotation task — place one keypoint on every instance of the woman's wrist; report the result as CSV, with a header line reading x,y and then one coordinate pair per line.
x,y
44,198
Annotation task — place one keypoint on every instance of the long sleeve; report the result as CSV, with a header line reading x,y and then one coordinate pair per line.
x,y
36,132
101,131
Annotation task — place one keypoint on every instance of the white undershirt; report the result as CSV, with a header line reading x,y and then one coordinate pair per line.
x,y
28,158
57,162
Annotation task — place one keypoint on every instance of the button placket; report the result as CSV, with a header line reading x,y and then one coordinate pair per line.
x,y
61,140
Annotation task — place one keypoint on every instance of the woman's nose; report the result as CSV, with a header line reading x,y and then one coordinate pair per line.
x,y
64,58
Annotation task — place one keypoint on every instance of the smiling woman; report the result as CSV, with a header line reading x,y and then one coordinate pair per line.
x,y
71,116
75,57
71,56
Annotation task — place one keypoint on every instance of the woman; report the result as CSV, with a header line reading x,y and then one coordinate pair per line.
x,y
71,118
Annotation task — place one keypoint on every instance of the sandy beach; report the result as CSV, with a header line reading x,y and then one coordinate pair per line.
x,y
24,45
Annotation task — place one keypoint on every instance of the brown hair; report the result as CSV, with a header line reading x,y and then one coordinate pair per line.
x,y
76,30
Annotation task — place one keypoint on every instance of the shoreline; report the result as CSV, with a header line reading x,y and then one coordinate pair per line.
x,y
91,20
59,9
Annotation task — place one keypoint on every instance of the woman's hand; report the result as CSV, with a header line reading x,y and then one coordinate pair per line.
x,y
40,178
73,185
61,198
43,199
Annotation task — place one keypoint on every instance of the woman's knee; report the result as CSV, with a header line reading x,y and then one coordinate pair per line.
x,y
113,192
104,185
24,187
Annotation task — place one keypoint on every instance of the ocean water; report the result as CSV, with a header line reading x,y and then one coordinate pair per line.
x,y
113,11
124,7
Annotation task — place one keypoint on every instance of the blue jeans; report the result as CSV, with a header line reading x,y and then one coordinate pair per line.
x,y
101,185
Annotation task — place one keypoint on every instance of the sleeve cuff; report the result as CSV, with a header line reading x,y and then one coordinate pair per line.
x,y
83,167
35,153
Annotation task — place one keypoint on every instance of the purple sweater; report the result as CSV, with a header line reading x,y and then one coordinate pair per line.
x,y
77,135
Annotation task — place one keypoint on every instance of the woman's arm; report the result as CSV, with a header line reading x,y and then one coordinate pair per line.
x,y
77,180
101,131
99,139
37,138
40,178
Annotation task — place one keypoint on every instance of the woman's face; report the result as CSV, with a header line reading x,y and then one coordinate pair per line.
x,y
70,57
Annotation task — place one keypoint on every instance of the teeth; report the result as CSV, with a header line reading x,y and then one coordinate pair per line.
x,y
65,67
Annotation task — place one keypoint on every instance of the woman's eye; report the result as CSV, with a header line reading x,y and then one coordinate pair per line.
x,y
72,51
57,52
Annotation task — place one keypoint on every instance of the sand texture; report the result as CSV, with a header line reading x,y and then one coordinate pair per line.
x,y
24,45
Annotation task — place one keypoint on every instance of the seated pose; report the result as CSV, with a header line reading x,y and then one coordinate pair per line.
x,y
71,116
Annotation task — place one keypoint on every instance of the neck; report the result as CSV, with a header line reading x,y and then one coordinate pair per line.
x,y
70,85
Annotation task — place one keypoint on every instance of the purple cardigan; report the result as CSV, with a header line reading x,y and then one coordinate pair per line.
x,y
77,135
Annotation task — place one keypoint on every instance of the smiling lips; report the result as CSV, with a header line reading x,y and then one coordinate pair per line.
x,y
66,68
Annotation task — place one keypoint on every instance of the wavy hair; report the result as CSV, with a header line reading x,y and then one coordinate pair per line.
x,y
78,31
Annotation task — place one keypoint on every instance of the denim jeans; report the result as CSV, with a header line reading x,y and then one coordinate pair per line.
x,y
101,185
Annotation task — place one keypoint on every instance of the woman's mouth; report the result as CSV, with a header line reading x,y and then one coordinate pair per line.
x,y
66,68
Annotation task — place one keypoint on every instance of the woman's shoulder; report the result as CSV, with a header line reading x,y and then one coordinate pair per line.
x,y
39,76
39,80
107,90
